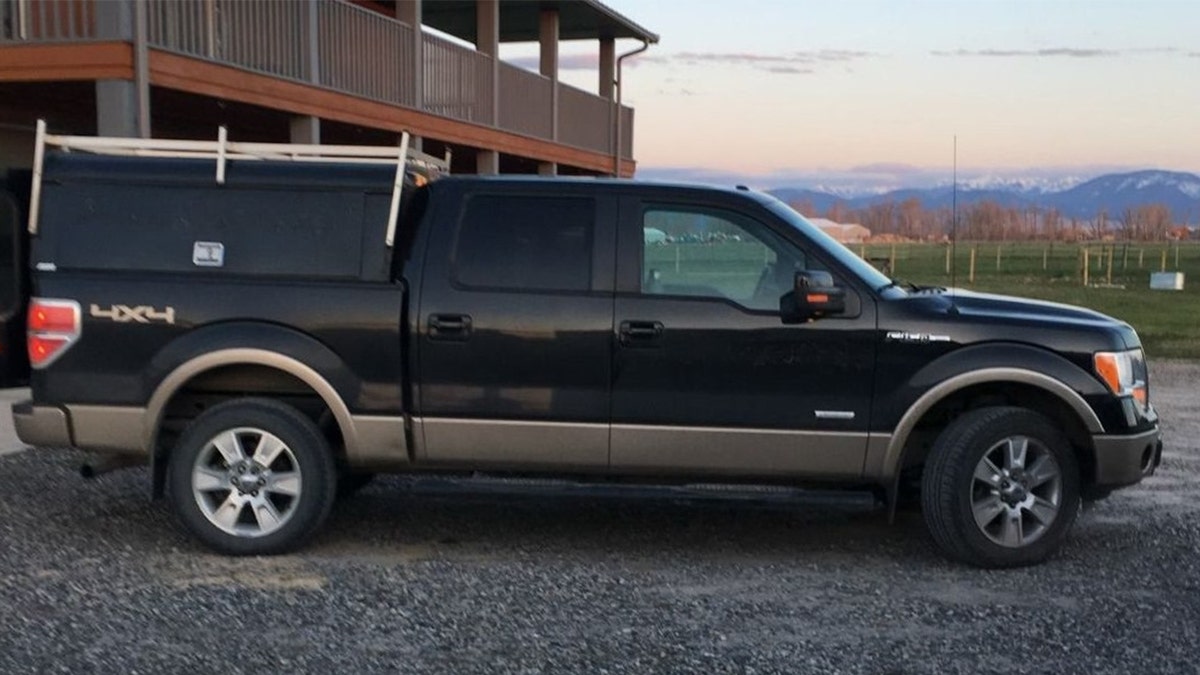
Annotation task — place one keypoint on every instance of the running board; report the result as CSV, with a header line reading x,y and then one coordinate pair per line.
x,y
481,484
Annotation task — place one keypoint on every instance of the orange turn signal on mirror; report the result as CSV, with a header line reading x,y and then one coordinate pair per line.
x,y
817,298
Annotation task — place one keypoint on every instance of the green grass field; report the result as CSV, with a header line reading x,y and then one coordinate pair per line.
x,y
1168,321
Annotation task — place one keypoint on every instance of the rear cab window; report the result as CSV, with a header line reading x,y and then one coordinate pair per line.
x,y
525,242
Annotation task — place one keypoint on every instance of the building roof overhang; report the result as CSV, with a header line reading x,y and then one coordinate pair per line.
x,y
519,20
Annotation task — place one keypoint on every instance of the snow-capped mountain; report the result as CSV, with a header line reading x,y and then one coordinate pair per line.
x,y
1073,196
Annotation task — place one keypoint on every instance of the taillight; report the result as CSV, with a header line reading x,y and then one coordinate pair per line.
x,y
54,325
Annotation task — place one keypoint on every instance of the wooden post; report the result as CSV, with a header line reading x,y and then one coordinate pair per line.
x,y
1164,261
1176,256
1108,279
971,277
1141,256
892,262
1045,259
862,251
1125,257
947,259
1087,259
999,247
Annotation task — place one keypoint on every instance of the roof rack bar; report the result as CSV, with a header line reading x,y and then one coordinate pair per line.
x,y
223,151
39,158
397,187
222,141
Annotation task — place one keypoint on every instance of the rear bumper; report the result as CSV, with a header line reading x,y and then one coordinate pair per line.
x,y
41,425
110,429
1125,460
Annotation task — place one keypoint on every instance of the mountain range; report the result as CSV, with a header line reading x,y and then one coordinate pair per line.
x,y
1113,193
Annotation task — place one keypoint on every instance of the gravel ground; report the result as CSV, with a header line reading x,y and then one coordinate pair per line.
x,y
95,577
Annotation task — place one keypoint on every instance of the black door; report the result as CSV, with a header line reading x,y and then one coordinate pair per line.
x,y
516,332
706,376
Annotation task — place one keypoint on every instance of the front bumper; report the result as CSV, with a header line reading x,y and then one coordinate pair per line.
x,y
41,425
1125,460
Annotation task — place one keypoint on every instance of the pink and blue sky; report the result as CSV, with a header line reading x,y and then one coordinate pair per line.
x,y
771,89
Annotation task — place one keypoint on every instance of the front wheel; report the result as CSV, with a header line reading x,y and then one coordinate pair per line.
x,y
1000,488
252,477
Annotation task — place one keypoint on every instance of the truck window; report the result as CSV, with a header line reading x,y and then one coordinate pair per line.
x,y
525,243
703,253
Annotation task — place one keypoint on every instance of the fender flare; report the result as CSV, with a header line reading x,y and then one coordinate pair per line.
x,y
244,356
893,456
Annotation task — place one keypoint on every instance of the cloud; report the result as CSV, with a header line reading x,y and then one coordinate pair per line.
x,y
788,70
1051,52
1068,52
791,63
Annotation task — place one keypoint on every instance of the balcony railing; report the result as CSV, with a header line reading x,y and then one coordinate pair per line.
x,y
338,46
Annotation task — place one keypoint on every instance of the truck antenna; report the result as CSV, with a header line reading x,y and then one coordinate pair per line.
x,y
954,222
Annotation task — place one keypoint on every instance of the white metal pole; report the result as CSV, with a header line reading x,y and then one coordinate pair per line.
x,y
39,156
397,187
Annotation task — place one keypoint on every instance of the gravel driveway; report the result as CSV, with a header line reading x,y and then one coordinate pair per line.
x,y
95,577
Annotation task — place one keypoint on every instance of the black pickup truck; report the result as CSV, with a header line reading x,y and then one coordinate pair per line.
x,y
262,340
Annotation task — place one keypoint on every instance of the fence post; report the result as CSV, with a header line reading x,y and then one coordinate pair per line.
x,y
1141,256
999,247
971,276
1110,258
892,261
947,259
1087,259
1045,259
1164,261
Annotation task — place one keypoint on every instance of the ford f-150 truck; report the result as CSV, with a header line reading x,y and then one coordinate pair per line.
x,y
265,334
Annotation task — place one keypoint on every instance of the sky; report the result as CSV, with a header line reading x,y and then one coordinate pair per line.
x,y
779,89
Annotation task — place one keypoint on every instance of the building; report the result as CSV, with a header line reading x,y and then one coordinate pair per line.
x,y
320,71
846,233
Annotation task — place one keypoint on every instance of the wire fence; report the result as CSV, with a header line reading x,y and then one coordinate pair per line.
x,y
1089,264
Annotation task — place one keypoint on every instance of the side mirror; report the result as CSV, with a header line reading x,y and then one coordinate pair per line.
x,y
813,296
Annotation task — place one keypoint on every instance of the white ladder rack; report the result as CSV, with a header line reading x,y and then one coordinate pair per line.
x,y
223,150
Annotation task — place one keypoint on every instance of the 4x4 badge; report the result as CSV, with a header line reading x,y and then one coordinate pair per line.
x,y
139,314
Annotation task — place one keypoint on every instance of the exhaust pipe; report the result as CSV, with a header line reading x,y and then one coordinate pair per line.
x,y
106,463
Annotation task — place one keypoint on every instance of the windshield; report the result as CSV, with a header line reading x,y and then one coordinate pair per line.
x,y
859,267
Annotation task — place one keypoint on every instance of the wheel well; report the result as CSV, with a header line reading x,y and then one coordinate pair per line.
x,y
930,425
216,385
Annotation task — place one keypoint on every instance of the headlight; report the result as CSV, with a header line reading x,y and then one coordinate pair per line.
x,y
1124,373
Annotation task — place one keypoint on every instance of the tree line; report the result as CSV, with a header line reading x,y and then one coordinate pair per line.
x,y
988,220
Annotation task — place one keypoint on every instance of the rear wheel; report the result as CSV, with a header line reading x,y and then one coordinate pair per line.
x,y
1000,488
252,477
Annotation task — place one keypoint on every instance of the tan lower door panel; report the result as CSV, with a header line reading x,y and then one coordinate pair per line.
x,y
513,443
763,452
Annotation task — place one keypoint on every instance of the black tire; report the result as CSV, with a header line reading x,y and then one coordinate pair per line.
x,y
952,494
1093,494
300,481
350,482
